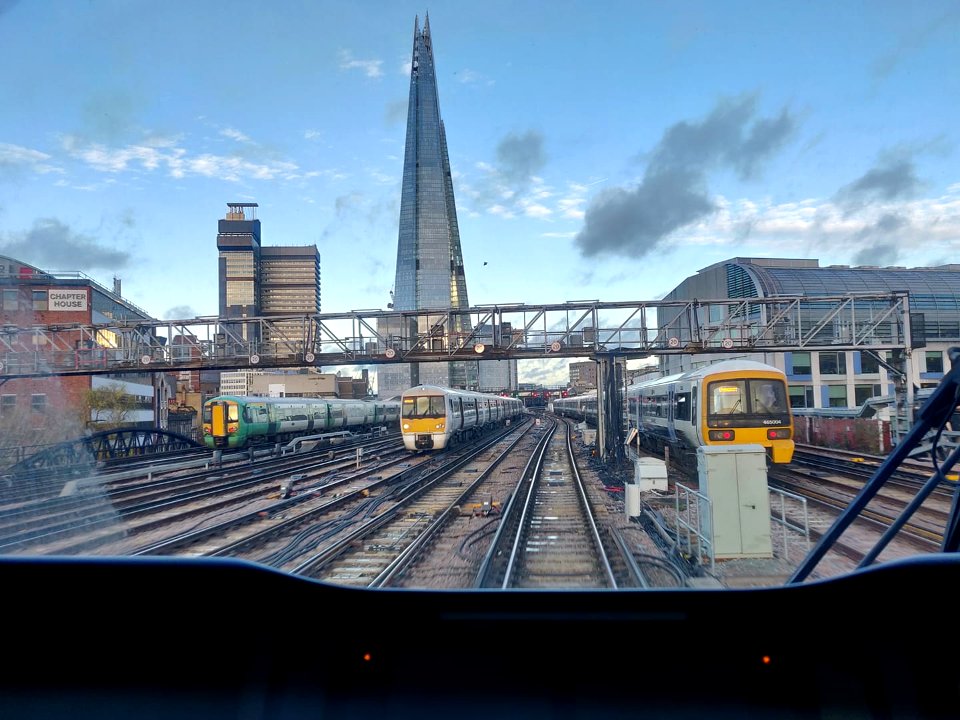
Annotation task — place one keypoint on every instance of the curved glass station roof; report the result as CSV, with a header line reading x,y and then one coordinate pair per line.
x,y
934,291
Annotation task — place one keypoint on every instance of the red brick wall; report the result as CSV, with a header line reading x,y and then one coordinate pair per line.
x,y
63,418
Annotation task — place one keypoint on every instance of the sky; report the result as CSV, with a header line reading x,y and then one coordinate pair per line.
x,y
600,150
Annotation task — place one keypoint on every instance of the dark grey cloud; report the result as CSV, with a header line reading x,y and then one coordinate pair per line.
x,y
725,138
520,156
112,116
883,253
915,39
51,245
180,312
891,179
395,112
674,191
634,221
882,245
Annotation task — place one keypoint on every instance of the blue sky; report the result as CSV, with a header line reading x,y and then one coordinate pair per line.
x,y
600,150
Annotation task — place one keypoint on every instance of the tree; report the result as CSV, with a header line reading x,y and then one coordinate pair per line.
x,y
109,405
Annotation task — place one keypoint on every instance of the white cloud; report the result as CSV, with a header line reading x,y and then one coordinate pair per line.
x,y
16,155
371,68
537,211
930,225
235,134
178,162
472,77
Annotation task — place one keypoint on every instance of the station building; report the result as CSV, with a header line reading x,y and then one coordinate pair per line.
x,y
841,378
39,411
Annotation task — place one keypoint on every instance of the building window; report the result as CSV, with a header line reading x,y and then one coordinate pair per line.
x,y
39,299
869,363
801,363
801,396
934,361
8,403
862,393
837,395
38,402
10,300
833,363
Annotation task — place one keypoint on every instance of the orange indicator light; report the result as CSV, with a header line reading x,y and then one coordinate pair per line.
x,y
367,657
765,659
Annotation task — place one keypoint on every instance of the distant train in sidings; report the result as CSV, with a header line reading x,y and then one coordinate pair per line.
x,y
233,421
435,417
733,402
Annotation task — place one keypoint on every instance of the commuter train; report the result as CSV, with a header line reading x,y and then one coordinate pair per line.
x,y
733,402
232,421
434,417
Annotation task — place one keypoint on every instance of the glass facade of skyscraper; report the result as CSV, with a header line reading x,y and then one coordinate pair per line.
x,y
430,272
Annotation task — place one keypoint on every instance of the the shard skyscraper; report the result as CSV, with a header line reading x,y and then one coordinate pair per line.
x,y
430,271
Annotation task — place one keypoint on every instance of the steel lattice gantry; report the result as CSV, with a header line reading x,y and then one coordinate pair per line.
x,y
497,332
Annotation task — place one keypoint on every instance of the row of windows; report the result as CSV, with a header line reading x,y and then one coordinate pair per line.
x,y
11,300
8,403
801,396
835,363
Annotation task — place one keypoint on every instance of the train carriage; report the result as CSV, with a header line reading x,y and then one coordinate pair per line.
x,y
435,417
732,402
233,421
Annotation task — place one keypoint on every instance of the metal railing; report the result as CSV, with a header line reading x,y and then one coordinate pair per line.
x,y
787,524
690,523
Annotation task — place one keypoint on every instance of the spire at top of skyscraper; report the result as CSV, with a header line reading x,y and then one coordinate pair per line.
x,y
430,270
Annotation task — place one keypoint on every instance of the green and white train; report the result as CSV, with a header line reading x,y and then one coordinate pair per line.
x,y
233,421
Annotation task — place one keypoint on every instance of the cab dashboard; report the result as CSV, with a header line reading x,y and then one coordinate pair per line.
x,y
173,637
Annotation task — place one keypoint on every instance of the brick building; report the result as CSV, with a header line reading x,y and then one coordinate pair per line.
x,y
38,411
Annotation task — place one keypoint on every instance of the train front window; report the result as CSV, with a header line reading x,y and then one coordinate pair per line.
x,y
768,397
747,397
727,398
233,412
423,406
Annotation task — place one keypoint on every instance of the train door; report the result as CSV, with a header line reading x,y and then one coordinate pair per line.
x,y
694,416
218,419
671,415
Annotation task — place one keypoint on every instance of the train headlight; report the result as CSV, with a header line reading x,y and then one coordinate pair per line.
x,y
721,435
439,426
778,434
406,426
231,427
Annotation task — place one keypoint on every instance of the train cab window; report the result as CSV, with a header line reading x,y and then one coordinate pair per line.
x,y
233,412
423,406
767,398
682,409
727,397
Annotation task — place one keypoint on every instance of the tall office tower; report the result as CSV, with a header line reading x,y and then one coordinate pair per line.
x,y
238,240
260,281
289,285
429,260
